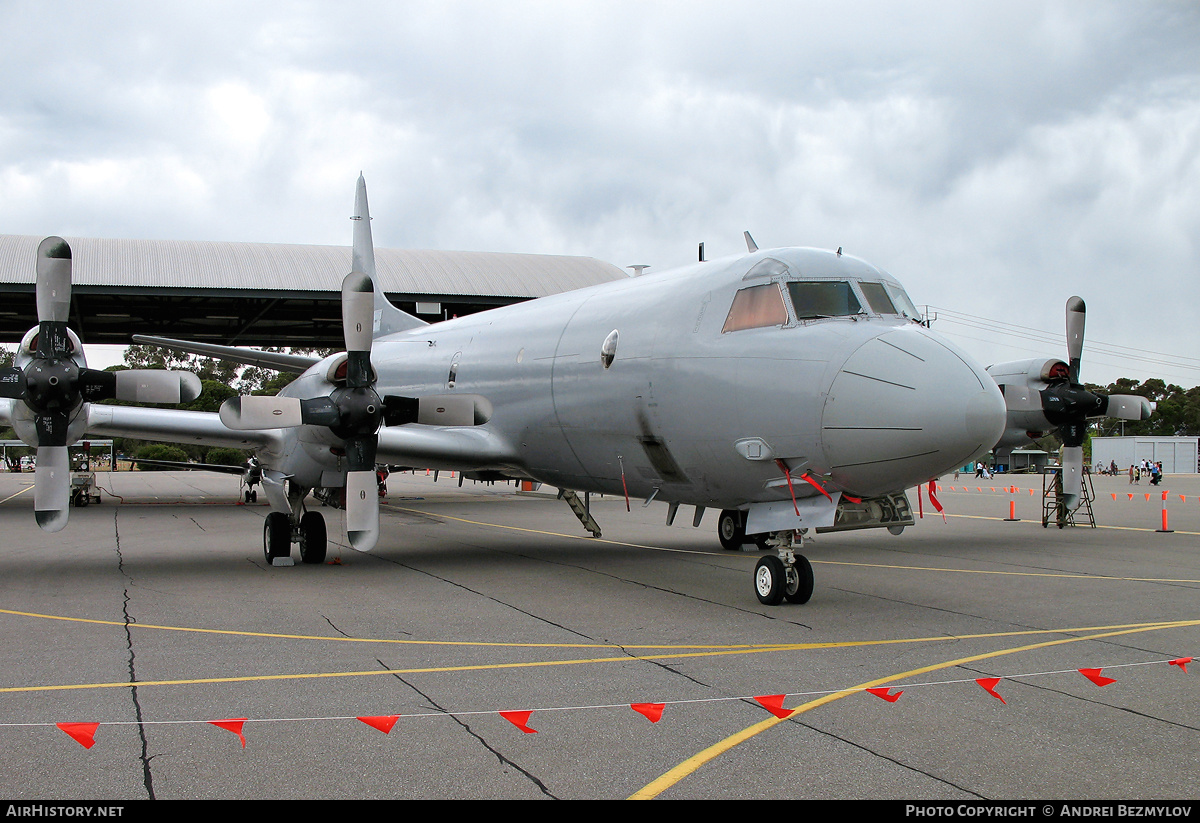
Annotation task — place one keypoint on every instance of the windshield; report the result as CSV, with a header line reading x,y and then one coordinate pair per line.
x,y
823,298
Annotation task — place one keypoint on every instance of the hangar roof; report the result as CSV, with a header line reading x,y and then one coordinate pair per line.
x,y
282,267
266,293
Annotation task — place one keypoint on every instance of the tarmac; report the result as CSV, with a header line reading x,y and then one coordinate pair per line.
x,y
154,614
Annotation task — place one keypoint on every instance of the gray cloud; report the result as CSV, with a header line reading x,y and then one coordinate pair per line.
x,y
995,157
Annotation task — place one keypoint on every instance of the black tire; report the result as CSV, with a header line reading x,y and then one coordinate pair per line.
x,y
254,495
246,496
731,530
312,538
800,587
769,580
277,536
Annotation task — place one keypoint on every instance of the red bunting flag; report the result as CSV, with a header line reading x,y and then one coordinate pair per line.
x,y
1181,662
1182,498
232,725
651,711
1147,495
989,685
82,733
382,722
519,719
1114,494
774,704
1095,676
883,693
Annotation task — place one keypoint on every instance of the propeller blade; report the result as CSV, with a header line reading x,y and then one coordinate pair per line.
x,y
257,412
362,510
358,311
53,280
156,386
52,488
1072,475
1075,318
12,383
1128,407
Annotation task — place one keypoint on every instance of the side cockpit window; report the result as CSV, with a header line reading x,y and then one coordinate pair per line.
x,y
904,304
756,307
877,298
823,298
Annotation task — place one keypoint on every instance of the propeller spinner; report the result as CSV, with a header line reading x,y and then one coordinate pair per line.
x,y
52,380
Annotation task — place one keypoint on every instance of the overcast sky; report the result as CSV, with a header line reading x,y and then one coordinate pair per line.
x,y
995,157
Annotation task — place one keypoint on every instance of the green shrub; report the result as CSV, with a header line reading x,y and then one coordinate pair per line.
x,y
160,451
225,457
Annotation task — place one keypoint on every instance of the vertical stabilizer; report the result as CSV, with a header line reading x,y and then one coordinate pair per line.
x,y
388,319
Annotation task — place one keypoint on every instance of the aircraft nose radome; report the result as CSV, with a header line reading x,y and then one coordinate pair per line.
x,y
907,406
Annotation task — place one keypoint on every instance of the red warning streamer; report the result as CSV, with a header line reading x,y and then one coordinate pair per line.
x,y
1181,662
883,694
933,499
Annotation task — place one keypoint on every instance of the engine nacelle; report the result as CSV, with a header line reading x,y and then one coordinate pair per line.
x,y
1022,383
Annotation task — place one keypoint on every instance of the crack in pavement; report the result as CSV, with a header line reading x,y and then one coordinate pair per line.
x,y
504,761
146,758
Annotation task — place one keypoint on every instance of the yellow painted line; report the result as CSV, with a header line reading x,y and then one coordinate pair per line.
x,y
1068,575
689,766
718,652
745,647
11,496
151,626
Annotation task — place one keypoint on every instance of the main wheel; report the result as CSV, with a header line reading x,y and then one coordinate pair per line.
x,y
731,530
769,580
277,536
799,586
312,538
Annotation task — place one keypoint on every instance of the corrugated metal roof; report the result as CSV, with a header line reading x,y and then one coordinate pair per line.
x,y
277,266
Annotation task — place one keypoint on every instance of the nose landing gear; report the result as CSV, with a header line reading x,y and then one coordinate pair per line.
x,y
783,576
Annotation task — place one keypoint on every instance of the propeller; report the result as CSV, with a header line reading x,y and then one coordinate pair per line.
x,y
353,412
1068,405
52,380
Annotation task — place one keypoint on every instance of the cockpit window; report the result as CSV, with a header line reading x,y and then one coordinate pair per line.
x,y
877,298
756,307
767,267
823,298
903,303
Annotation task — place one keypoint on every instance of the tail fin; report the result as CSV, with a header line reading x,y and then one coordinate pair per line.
x,y
388,318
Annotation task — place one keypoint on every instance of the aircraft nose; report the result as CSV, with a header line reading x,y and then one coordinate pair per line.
x,y
907,406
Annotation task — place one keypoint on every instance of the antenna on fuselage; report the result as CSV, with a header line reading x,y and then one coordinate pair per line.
x,y
751,246
702,253
638,269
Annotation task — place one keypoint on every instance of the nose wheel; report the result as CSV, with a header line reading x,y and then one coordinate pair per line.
x,y
786,576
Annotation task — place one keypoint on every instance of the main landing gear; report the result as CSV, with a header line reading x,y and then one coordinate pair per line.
x,y
281,530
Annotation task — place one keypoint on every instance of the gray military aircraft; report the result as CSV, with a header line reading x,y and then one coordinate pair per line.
x,y
791,389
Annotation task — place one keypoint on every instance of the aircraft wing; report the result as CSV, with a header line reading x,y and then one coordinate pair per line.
x,y
175,426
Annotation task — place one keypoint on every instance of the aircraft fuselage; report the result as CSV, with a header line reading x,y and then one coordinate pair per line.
x,y
661,385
